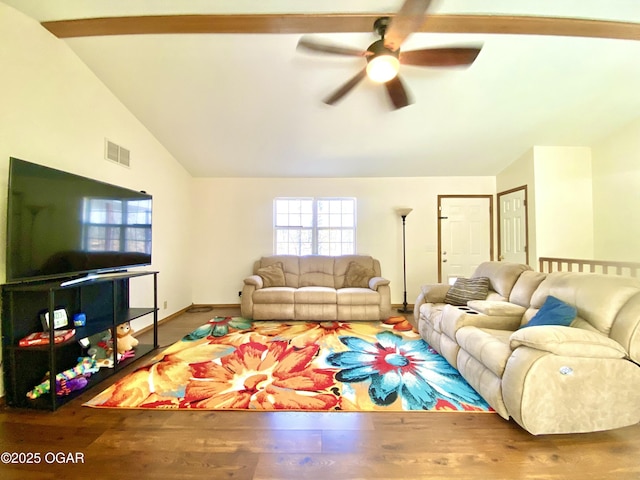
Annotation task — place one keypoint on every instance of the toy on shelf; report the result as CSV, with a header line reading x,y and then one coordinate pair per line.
x,y
42,338
68,381
104,362
103,345
100,347
126,340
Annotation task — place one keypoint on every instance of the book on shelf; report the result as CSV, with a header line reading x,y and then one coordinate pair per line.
x,y
42,338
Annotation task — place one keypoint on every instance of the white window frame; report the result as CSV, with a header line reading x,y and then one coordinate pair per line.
x,y
305,230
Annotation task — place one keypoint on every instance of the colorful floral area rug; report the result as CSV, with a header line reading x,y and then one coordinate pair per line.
x,y
233,363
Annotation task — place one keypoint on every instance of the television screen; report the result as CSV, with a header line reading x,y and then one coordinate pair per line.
x,y
61,225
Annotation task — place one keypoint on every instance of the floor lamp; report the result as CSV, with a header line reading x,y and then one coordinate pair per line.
x,y
403,212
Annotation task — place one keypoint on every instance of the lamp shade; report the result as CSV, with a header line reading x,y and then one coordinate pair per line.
x,y
382,63
383,68
403,212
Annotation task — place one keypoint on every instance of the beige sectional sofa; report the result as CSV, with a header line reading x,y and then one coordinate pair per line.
x,y
550,379
316,287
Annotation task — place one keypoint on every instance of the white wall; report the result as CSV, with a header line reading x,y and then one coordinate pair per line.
x,y
575,183
560,200
563,202
234,226
54,111
616,195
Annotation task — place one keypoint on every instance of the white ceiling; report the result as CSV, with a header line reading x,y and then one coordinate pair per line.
x,y
237,105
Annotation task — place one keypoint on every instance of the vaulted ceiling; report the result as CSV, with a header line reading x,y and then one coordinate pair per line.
x,y
222,86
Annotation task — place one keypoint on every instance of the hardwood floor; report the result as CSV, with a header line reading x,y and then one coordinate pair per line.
x,y
248,445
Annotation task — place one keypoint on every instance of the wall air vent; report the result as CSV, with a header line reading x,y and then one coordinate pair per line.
x,y
116,153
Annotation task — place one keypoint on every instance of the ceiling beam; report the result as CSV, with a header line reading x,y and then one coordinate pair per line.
x,y
338,23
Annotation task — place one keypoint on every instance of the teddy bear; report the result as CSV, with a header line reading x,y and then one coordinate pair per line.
x,y
126,341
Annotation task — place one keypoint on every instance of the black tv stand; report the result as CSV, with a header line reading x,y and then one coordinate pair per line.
x,y
93,276
103,298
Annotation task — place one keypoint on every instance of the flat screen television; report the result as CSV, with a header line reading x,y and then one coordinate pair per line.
x,y
61,225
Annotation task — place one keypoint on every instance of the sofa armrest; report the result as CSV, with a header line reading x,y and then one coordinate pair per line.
x,y
376,282
434,293
454,318
430,293
251,284
255,280
497,308
567,341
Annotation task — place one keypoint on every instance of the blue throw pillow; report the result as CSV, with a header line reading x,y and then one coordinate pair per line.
x,y
553,312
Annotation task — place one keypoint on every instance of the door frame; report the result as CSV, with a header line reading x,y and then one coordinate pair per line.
x,y
440,218
526,219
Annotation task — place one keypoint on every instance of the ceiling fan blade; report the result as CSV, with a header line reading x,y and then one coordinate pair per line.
x,y
409,18
397,93
307,43
346,88
440,57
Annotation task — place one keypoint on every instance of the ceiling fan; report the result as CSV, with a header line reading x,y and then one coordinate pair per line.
x,y
384,56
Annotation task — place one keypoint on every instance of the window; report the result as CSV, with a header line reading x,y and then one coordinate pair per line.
x,y
323,226
111,225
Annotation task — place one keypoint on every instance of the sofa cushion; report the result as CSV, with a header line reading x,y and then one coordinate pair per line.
x,y
489,347
553,312
315,295
358,296
502,275
316,271
357,275
526,284
597,297
274,295
272,275
466,289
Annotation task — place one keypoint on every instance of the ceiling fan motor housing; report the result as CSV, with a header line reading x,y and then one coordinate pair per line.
x,y
377,48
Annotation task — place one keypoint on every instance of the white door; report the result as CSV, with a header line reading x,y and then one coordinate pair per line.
x,y
512,221
465,235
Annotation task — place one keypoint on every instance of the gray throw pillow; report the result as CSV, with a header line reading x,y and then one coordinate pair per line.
x,y
466,289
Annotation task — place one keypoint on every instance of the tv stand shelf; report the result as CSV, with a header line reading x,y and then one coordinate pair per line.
x,y
104,299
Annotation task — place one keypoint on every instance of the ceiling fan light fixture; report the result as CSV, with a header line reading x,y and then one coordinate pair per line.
x,y
383,68
382,64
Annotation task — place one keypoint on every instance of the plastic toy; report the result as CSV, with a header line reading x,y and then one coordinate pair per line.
x,y
67,381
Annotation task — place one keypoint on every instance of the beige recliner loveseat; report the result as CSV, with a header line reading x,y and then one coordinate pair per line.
x,y
316,287
550,379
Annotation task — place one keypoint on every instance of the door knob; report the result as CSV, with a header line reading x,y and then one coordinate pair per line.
x,y
444,261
